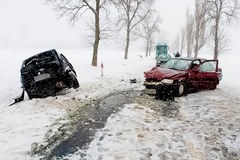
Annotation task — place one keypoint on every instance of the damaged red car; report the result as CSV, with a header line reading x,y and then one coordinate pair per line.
x,y
181,75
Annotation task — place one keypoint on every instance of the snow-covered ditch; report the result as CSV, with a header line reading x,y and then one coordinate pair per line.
x,y
206,126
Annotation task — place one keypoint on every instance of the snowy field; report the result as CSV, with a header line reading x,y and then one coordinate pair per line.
x,y
206,128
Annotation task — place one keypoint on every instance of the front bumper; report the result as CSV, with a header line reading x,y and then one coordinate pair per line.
x,y
160,88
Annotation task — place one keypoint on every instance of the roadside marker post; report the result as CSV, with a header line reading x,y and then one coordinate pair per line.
x,y
102,69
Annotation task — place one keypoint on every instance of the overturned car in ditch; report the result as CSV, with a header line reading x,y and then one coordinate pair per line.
x,y
181,75
47,73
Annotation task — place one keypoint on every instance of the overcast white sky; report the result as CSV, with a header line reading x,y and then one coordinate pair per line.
x,y
173,13
31,24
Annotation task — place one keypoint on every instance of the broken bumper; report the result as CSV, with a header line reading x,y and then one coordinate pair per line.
x,y
153,88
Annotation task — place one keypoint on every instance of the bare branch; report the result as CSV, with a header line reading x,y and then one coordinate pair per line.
x,y
220,12
189,33
90,7
73,9
183,40
149,26
200,25
131,14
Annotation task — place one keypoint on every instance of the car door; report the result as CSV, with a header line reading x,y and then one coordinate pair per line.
x,y
205,76
193,76
67,63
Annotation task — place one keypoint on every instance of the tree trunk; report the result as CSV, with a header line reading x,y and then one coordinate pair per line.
x,y
150,48
216,39
188,51
147,49
196,48
127,43
97,35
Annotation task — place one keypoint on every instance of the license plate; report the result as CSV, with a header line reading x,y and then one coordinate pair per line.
x,y
42,77
149,91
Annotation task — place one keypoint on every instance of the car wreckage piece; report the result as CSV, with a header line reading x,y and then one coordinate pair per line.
x,y
180,75
45,74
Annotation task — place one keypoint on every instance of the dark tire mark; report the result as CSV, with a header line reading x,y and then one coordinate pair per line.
x,y
91,118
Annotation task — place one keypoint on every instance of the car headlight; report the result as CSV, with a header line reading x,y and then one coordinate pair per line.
x,y
167,81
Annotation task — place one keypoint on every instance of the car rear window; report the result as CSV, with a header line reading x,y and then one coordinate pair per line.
x,y
40,58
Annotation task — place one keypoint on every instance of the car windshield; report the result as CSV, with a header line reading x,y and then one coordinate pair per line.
x,y
178,64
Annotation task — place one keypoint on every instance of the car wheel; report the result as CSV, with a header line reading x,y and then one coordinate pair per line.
x,y
30,96
181,89
213,87
73,80
75,83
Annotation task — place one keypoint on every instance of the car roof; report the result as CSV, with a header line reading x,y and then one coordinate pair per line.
x,y
52,51
49,51
45,52
190,58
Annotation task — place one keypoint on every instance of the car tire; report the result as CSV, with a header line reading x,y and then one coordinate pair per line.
x,y
30,96
213,87
73,80
181,90
75,83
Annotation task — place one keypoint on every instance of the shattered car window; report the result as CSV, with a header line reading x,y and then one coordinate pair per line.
x,y
178,64
43,57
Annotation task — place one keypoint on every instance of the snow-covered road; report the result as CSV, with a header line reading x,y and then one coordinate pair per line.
x,y
203,125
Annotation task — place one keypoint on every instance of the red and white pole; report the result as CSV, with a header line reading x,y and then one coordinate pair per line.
x,y
102,69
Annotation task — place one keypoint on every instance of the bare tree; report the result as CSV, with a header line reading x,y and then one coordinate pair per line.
x,y
219,13
183,40
151,45
106,30
176,44
149,26
189,33
200,26
223,41
73,9
131,14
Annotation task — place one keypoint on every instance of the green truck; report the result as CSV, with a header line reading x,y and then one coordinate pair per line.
x,y
162,55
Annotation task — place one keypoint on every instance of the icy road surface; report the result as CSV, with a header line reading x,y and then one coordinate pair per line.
x,y
204,125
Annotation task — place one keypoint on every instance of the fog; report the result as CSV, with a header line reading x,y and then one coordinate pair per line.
x,y
32,24
29,24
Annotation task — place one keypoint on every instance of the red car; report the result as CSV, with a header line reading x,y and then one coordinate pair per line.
x,y
181,75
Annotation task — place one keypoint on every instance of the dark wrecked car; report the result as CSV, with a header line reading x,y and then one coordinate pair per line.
x,y
47,73
181,75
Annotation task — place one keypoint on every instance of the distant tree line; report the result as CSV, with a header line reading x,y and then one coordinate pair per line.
x,y
207,25
135,19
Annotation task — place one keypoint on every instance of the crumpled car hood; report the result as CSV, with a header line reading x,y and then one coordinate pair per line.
x,y
161,73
